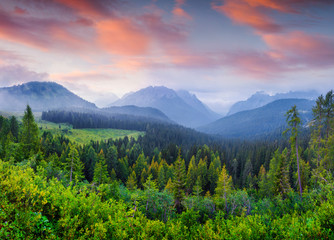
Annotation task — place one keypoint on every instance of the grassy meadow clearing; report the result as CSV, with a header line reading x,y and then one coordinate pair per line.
x,y
84,136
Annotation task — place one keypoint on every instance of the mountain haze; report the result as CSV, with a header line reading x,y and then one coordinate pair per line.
x,y
138,111
40,96
260,121
261,98
181,107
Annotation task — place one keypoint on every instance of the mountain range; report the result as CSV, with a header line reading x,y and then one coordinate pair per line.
x,y
264,114
40,96
260,99
261,121
181,107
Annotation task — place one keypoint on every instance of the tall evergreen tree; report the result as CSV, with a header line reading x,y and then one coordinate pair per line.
x,y
192,174
29,134
282,181
293,123
14,128
179,182
224,185
329,111
131,183
101,170
74,165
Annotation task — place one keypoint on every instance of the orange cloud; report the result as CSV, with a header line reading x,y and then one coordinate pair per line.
x,y
87,8
246,12
257,13
178,10
120,36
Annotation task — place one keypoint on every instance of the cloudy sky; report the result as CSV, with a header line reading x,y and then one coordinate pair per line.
x,y
221,50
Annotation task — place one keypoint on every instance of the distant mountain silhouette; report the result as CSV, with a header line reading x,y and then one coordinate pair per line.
x,y
40,96
260,121
260,99
181,107
147,112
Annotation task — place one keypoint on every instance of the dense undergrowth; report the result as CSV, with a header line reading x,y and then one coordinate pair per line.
x,y
33,207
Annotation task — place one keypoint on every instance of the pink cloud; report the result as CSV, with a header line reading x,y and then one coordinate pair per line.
x,y
20,11
178,10
291,52
241,12
258,14
90,8
122,37
77,26
299,48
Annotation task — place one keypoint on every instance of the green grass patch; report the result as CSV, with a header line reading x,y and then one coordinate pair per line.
x,y
83,136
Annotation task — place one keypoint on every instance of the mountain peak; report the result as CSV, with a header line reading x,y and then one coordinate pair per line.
x,y
40,96
181,106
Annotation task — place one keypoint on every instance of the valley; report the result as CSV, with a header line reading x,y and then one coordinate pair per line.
x,y
84,136
126,166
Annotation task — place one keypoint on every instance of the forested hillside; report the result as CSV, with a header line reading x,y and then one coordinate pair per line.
x,y
258,123
172,183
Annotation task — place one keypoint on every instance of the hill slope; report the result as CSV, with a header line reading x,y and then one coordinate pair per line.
x,y
40,96
260,99
147,112
182,108
259,121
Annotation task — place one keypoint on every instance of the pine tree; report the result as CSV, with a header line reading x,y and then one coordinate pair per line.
x,y
213,174
169,186
192,174
74,165
14,128
123,169
247,173
131,184
179,183
101,170
202,172
143,177
162,180
113,175
197,190
262,182
329,111
150,191
224,185
316,139
111,158
29,134
282,179
294,122
140,165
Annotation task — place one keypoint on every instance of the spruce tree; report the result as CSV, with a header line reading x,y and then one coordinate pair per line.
x,y
179,183
73,165
192,174
29,134
131,183
293,123
224,185
101,170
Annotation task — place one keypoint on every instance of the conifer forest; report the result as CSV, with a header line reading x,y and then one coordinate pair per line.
x,y
170,183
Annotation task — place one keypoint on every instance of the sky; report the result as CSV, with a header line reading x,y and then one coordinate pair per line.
x,y
221,50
